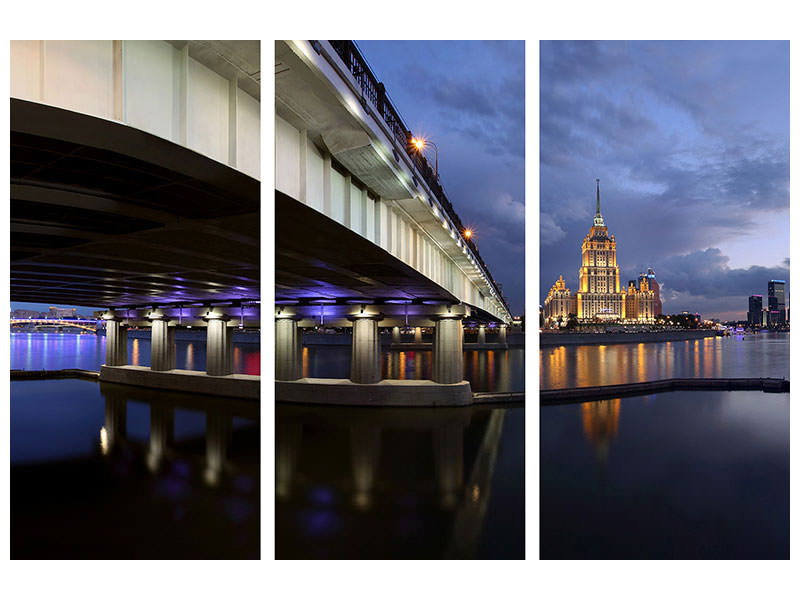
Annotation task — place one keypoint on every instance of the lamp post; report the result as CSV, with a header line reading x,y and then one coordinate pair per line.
x,y
420,144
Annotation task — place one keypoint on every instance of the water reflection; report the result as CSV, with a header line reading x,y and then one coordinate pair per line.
x,y
178,473
692,475
762,355
388,483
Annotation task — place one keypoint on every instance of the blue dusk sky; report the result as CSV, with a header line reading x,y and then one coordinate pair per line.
x,y
468,97
690,141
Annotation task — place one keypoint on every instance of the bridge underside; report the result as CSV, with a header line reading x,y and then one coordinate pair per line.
x,y
320,261
103,214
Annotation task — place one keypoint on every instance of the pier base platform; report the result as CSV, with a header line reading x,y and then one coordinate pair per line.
x,y
179,380
388,392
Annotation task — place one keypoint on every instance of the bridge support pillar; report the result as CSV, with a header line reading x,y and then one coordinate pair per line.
x,y
365,363
288,346
116,342
219,344
418,335
395,335
162,343
448,349
501,334
481,333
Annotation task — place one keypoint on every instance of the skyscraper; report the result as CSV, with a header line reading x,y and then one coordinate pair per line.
x,y
776,301
658,309
599,295
754,310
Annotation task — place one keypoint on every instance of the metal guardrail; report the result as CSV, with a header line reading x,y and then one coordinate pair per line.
x,y
374,92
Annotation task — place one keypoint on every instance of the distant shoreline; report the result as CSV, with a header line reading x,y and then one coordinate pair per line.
x,y
575,339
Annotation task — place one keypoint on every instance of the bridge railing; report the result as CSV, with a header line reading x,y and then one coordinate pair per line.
x,y
375,92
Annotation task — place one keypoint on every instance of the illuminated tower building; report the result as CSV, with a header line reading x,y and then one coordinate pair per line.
x,y
653,284
754,310
599,296
776,302
559,303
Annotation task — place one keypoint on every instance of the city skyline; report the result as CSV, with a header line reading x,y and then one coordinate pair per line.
x,y
691,143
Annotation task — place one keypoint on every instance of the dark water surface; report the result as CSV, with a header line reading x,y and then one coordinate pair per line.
x,y
100,470
675,475
762,355
53,351
403,482
400,483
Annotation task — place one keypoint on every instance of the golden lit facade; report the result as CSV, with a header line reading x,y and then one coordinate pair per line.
x,y
559,303
599,297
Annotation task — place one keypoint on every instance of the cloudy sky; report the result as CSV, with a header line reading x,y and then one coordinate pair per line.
x,y
469,99
690,141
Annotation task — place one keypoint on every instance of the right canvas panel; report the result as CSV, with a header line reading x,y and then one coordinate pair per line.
x,y
664,295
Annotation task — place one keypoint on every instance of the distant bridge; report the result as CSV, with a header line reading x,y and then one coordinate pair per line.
x,y
85,324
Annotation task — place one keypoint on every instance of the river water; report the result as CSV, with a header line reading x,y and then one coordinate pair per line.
x,y
100,470
53,351
689,474
403,482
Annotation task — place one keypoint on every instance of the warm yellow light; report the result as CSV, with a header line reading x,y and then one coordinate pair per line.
x,y
468,233
419,144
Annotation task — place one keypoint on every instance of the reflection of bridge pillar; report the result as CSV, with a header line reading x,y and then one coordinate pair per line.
x,y
219,344
162,343
365,451
365,362
288,346
116,342
481,333
115,424
448,349
448,449
162,426
218,435
418,335
501,334
395,335
287,442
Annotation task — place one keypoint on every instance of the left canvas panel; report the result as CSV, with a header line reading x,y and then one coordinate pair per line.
x,y
135,299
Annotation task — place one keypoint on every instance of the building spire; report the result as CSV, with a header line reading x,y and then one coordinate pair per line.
x,y
598,218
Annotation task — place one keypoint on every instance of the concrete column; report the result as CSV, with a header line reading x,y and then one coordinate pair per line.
x,y
218,436
162,431
395,335
219,345
501,334
448,350
116,343
288,348
365,363
418,335
481,333
162,345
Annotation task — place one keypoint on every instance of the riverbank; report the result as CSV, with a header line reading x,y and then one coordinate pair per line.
x,y
574,339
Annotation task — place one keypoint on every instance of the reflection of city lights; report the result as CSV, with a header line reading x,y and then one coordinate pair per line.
x,y
103,440
476,493
211,476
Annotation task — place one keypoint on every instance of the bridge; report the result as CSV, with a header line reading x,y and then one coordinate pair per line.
x,y
85,324
134,186
366,236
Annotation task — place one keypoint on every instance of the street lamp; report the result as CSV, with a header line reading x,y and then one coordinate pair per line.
x,y
420,144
